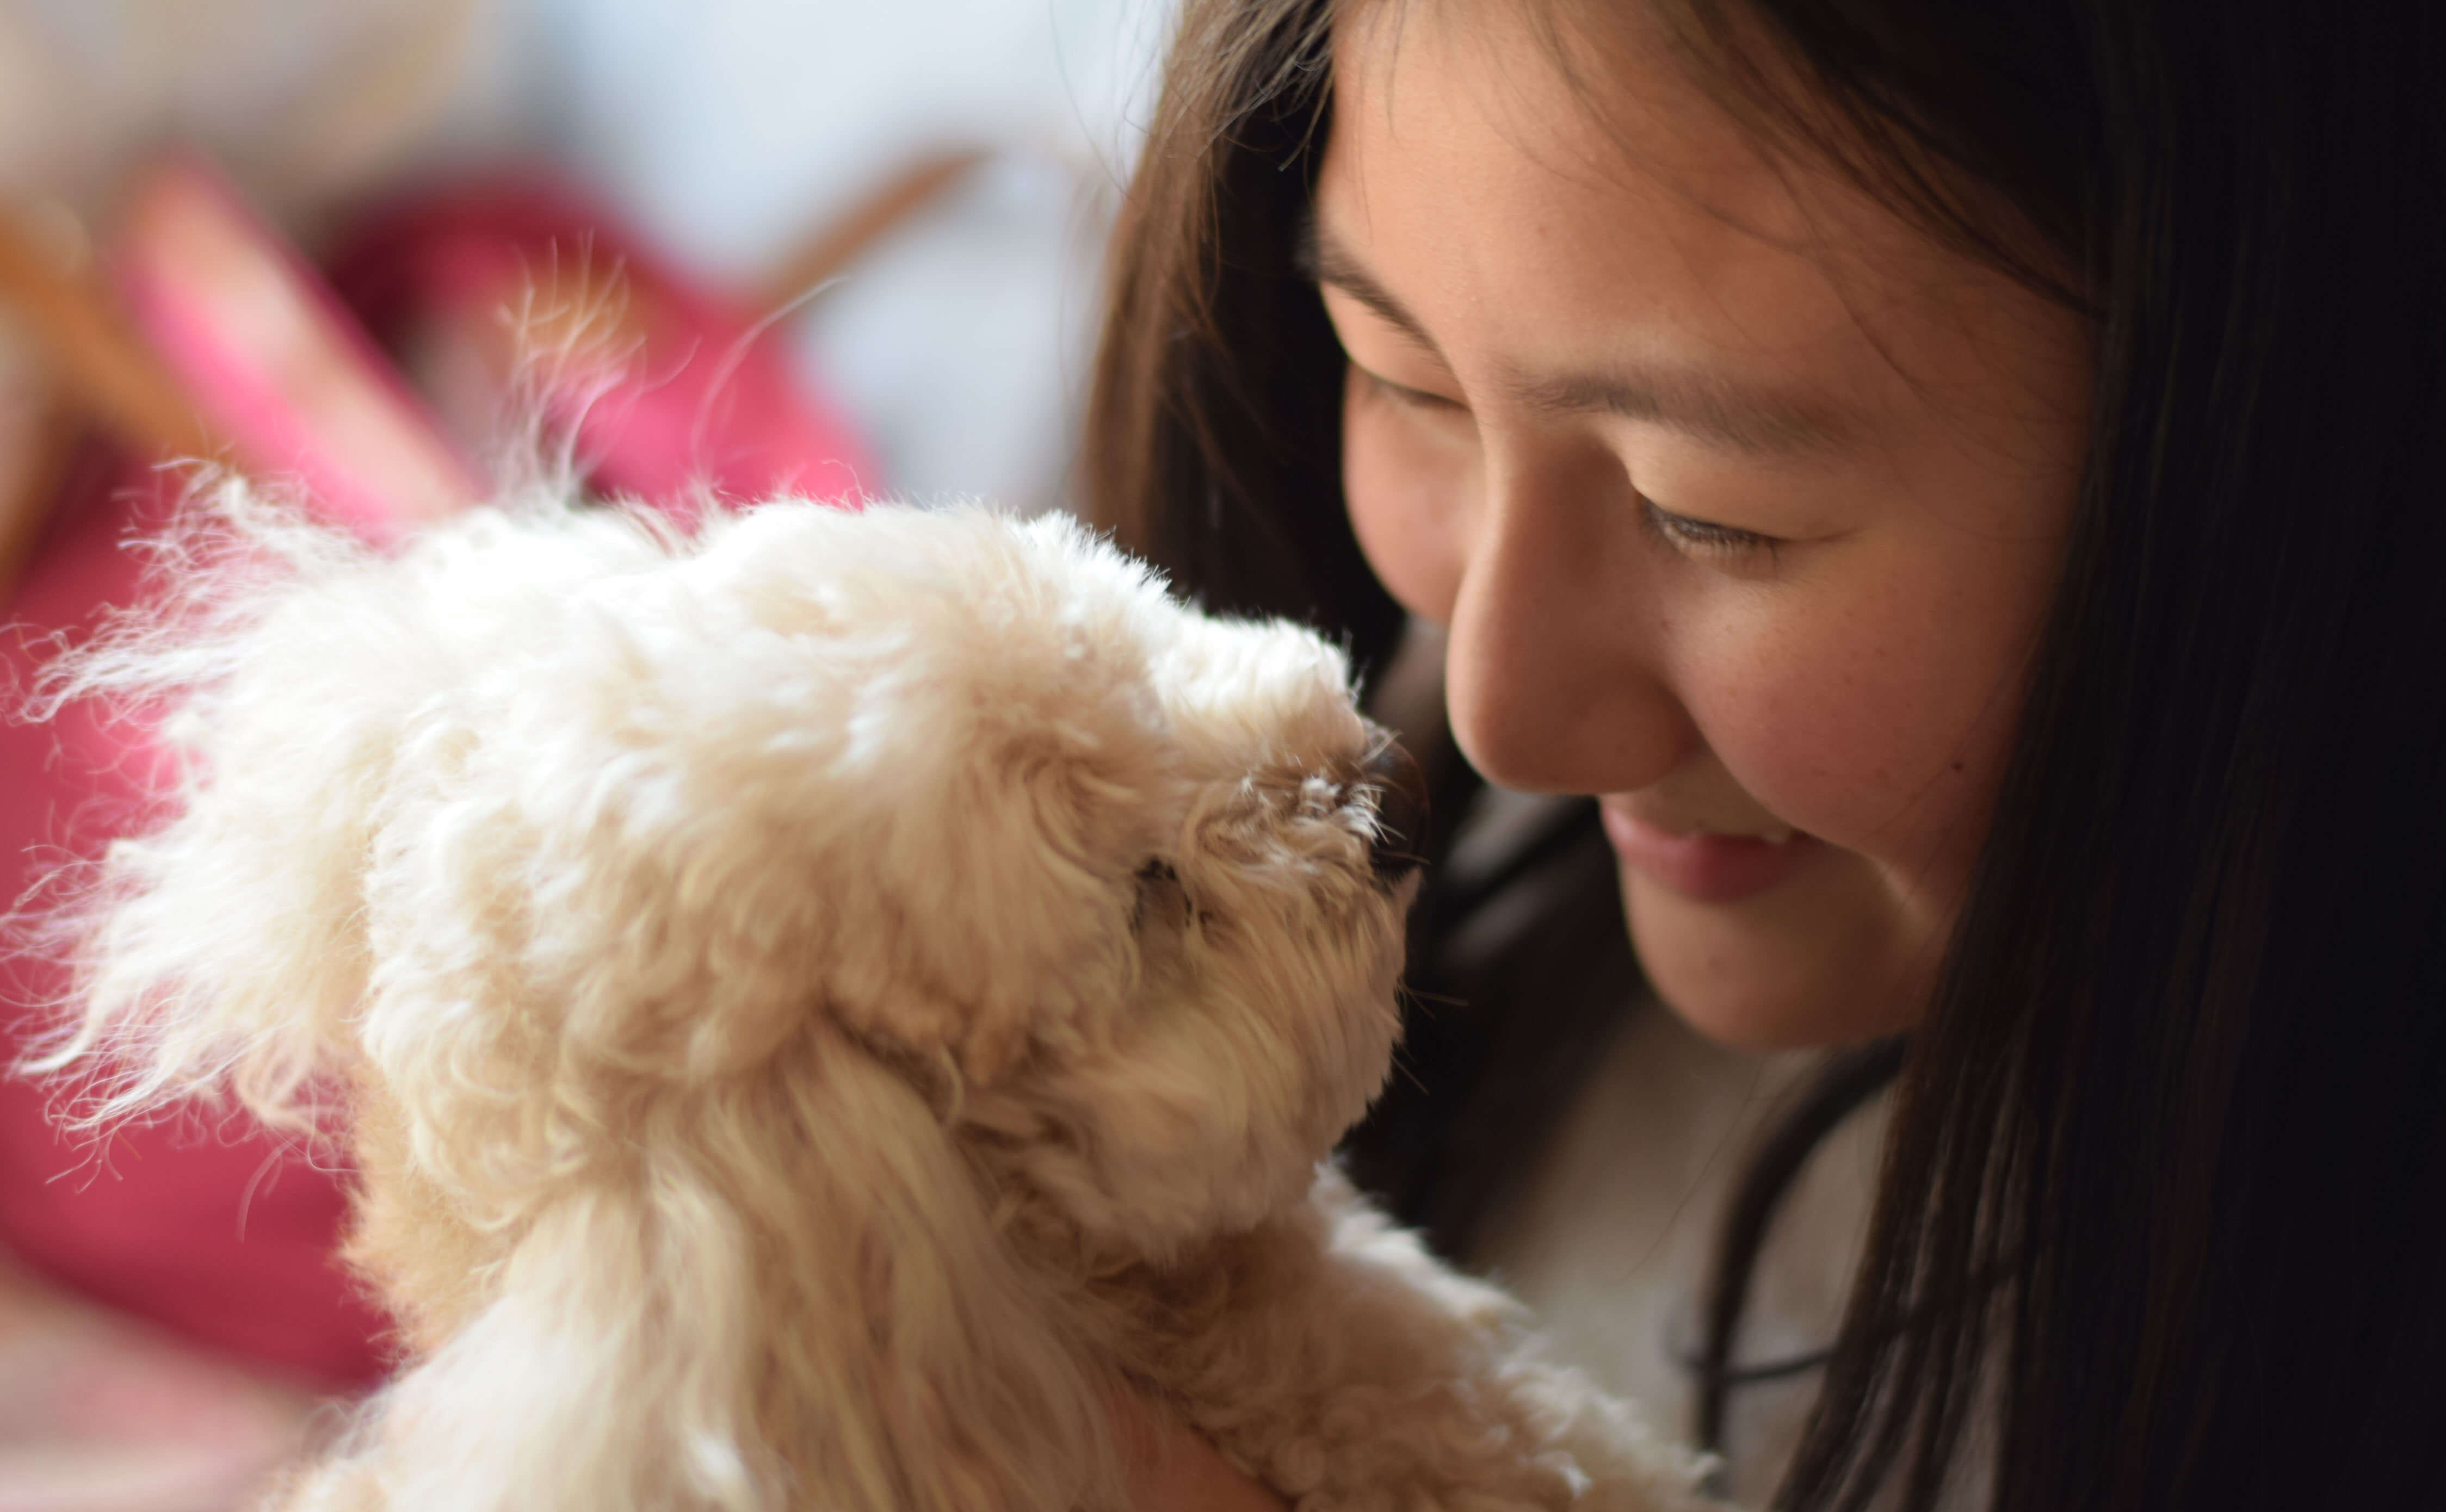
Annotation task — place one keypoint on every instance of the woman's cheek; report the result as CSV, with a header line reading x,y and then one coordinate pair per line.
x,y
1842,726
1407,491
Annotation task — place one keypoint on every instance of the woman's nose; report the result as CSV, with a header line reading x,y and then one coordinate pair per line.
x,y
1555,674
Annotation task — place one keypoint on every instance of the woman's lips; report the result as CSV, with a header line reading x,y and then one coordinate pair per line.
x,y
1708,867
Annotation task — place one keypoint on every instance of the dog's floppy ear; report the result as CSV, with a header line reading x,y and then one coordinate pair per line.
x,y
791,1294
899,767
1007,770
286,668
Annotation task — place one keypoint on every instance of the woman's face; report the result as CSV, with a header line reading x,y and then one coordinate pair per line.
x,y
1741,499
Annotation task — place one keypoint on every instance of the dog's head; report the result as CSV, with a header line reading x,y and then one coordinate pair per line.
x,y
1104,875
773,915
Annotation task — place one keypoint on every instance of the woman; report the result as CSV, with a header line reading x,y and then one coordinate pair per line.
x,y
1953,481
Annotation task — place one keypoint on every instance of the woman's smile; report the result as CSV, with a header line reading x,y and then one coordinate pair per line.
x,y
1702,864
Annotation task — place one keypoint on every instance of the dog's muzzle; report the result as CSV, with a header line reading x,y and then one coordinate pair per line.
x,y
1401,788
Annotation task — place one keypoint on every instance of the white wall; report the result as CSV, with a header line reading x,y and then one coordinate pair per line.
x,y
730,126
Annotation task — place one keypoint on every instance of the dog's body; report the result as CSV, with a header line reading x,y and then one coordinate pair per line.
x,y
819,1010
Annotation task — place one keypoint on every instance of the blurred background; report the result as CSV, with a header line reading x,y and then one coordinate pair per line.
x,y
825,244
727,134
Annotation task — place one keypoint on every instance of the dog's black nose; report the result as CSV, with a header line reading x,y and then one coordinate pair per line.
x,y
1400,845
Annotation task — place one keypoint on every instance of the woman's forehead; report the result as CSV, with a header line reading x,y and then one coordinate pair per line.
x,y
1487,86
1561,223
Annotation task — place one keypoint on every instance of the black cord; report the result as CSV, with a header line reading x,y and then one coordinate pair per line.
x,y
1784,1368
1840,1089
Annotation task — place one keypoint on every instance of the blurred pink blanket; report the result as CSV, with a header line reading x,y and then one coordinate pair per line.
x,y
680,393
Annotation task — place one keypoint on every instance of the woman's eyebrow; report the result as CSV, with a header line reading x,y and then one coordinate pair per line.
x,y
1323,260
1720,412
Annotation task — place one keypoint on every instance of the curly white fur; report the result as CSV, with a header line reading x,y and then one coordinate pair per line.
x,y
819,1006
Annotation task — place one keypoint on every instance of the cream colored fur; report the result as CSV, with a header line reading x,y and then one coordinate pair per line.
x,y
817,1009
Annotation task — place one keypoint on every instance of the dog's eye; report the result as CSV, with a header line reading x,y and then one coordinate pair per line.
x,y
1159,892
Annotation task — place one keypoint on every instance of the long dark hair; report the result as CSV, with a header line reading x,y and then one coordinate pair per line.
x,y
2164,1203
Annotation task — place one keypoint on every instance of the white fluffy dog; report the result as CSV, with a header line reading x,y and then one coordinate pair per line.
x,y
820,1009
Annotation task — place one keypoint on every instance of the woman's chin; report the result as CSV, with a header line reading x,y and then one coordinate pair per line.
x,y
1824,958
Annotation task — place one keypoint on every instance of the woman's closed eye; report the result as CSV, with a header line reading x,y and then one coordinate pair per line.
x,y
1728,545
1705,538
1378,386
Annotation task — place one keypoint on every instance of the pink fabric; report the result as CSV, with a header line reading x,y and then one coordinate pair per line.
x,y
709,403
217,1239
213,1239
205,343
